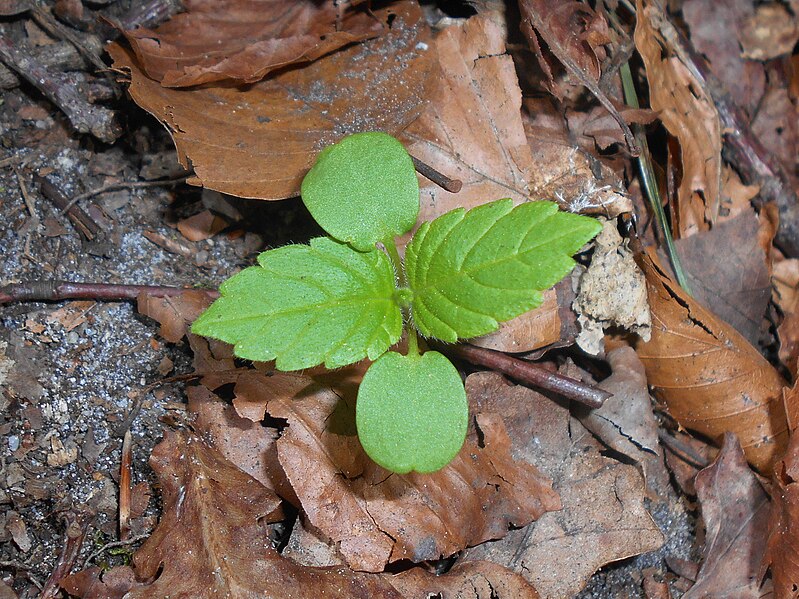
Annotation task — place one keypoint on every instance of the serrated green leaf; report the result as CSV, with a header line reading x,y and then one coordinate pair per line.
x,y
412,412
363,189
471,270
306,305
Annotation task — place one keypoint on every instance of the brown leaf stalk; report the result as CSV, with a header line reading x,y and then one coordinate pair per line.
x,y
529,373
55,291
444,182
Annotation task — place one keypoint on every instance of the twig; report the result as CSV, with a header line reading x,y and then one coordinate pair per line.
x,y
112,545
124,486
56,291
26,196
47,22
85,117
149,14
170,245
742,147
77,524
60,56
444,182
529,373
121,185
82,221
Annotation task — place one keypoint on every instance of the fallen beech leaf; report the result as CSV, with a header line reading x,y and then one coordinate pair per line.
x,y
71,315
473,131
258,141
376,517
244,443
625,422
612,293
770,32
735,511
710,378
212,542
575,35
244,41
566,173
707,19
472,580
174,314
782,551
201,226
727,270
786,295
690,115
603,518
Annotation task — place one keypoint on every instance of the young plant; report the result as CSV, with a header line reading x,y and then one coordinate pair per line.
x,y
342,298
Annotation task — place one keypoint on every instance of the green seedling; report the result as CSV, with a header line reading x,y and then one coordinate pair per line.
x,y
350,296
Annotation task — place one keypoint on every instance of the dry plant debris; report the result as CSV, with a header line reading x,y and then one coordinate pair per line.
x,y
260,487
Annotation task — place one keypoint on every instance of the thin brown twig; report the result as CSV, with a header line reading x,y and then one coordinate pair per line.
x,y
444,182
56,291
121,185
529,373
682,450
82,221
125,468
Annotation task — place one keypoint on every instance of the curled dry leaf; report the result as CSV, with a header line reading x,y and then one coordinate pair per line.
x,y
242,41
603,518
689,114
612,293
258,141
707,19
735,510
710,378
786,297
575,35
782,552
377,517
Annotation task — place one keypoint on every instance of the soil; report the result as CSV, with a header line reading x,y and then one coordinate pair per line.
x,y
75,375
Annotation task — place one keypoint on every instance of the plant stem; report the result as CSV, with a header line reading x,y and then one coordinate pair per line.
x,y
444,182
54,291
529,373
649,181
396,262
413,341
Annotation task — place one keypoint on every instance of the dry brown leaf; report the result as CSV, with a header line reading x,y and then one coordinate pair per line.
x,y
258,141
472,580
244,443
566,173
575,35
777,128
710,378
377,517
473,131
612,293
603,517
715,30
71,315
174,314
201,226
786,295
212,541
625,422
771,32
735,510
728,273
242,41
689,114
782,552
